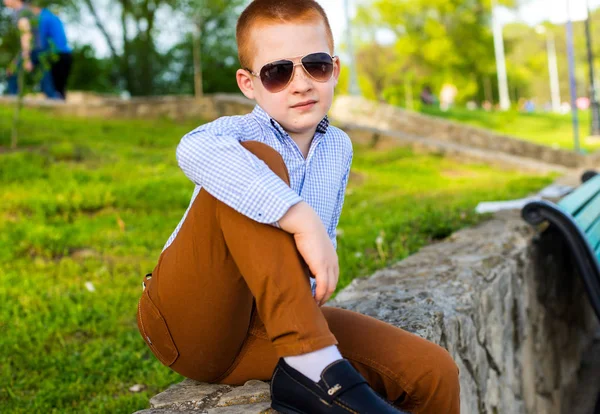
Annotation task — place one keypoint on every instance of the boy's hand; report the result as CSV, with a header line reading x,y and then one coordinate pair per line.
x,y
320,256
316,248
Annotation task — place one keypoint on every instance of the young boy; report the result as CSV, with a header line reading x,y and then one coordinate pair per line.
x,y
230,299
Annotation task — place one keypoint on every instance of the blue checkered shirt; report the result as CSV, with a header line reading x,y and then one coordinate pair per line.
x,y
212,158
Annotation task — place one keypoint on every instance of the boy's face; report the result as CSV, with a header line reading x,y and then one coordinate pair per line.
x,y
291,41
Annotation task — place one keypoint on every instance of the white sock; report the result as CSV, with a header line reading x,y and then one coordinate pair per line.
x,y
312,364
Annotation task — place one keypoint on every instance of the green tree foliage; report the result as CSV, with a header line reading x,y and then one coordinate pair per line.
x,y
138,65
219,64
104,79
213,38
527,59
9,41
437,41
135,63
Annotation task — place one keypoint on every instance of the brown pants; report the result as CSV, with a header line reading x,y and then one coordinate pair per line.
x,y
202,312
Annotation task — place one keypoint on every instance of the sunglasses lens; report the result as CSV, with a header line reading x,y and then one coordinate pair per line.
x,y
275,76
319,66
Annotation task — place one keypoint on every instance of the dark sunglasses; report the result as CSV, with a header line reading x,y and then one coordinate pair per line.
x,y
276,76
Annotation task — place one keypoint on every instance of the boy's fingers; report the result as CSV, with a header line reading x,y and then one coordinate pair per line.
x,y
321,290
330,285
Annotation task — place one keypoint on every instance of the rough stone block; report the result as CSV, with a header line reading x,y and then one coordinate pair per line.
x,y
188,395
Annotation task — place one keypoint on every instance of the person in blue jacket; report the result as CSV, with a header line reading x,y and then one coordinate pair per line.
x,y
43,44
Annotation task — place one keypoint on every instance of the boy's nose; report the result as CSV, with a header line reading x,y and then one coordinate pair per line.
x,y
300,80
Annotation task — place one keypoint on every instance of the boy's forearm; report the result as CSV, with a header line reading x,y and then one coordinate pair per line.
x,y
217,162
300,218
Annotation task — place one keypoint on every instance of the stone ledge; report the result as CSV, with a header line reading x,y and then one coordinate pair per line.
x,y
384,139
366,113
517,340
393,125
177,107
191,396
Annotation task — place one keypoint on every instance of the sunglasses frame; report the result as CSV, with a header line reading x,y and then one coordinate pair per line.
x,y
257,75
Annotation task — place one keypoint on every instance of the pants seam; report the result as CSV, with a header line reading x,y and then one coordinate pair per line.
x,y
236,361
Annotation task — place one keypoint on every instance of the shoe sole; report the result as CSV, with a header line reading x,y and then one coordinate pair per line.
x,y
285,409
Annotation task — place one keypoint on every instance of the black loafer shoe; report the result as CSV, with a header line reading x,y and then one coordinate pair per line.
x,y
341,390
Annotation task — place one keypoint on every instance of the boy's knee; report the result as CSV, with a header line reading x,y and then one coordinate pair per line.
x,y
448,370
270,156
440,385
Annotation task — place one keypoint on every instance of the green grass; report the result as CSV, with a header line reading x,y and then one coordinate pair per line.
x,y
543,128
87,201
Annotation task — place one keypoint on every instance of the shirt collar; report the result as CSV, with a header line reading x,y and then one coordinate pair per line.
x,y
263,117
323,125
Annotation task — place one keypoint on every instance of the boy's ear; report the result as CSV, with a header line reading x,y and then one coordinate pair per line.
x,y
337,66
244,81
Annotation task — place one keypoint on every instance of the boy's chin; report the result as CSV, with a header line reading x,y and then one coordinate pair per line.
x,y
309,119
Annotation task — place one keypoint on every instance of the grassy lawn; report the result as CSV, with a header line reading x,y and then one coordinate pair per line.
x,y
85,208
543,128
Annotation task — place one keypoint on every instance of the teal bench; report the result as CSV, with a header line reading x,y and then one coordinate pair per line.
x,y
576,219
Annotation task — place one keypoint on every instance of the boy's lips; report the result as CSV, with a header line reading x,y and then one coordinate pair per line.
x,y
305,104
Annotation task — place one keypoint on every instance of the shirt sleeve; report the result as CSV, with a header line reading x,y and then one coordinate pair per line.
x,y
339,204
211,156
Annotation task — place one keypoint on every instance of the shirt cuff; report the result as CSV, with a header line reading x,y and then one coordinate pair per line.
x,y
268,199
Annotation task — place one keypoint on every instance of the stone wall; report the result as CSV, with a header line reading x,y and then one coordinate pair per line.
x,y
384,139
392,126
174,107
516,329
362,112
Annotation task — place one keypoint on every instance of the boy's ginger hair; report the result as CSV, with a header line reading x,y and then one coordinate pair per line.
x,y
261,12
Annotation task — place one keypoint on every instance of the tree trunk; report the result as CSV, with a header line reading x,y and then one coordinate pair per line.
x,y
18,107
100,26
197,50
408,92
146,54
487,88
125,67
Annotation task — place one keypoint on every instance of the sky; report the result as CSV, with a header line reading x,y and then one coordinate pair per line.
x,y
531,12
536,11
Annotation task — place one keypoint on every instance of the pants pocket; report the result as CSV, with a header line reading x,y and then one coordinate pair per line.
x,y
155,332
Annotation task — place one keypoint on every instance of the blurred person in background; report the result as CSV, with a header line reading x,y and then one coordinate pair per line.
x,y
427,97
447,96
44,45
